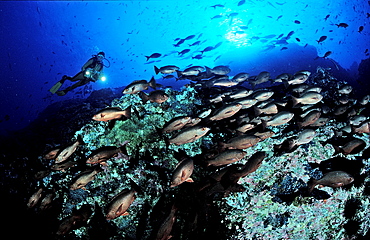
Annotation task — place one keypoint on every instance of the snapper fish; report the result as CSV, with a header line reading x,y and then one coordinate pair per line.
x,y
240,142
52,154
101,155
247,102
331,179
225,112
112,113
321,39
35,198
176,124
282,77
345,89
309,119
119,204
278,119
156,96
241,93
219,70
182,172
262,95
343,25
262,77
154,55
63,166
304,137
191,71
188,135
68,151
352,147
232,176
298,78
240,77
226,157
307,98
165,228
84,178
139,85
166,69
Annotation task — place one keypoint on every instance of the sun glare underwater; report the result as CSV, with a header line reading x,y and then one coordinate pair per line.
x,y
245,119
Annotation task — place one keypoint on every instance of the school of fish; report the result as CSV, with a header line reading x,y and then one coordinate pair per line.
x,y
240,115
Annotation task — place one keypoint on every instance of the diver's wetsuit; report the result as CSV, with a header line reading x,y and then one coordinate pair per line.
x,y
94,64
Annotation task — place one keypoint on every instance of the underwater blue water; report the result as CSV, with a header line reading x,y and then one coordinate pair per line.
x,y
43,40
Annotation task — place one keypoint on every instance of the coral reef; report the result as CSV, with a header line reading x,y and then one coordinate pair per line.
x,y
274,203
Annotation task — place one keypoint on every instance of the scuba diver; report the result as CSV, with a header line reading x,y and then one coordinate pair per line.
x,y
92,70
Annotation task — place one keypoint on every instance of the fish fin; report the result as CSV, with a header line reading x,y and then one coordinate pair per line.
x,y
295,101
221,146
264,125
257,111
156,70
152,83
111,124
127,112
125,214
208,70
143,97
253,84
311,185
80,140
104,163
337,149
83,188
189,180
286,84
179,74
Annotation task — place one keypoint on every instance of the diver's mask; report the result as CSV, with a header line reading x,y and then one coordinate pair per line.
x,y
100,57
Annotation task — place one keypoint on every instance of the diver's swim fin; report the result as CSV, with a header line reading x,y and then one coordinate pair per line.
x,y
55,88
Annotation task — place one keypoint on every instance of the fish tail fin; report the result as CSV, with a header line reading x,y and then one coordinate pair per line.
x,y
179,73
295,101
80,140
152,83
311,185
286,84
253,84
111,124
143,97
337,149
147,58
264,125
221,146
257,111
208,70
156,70
127,112
136,187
